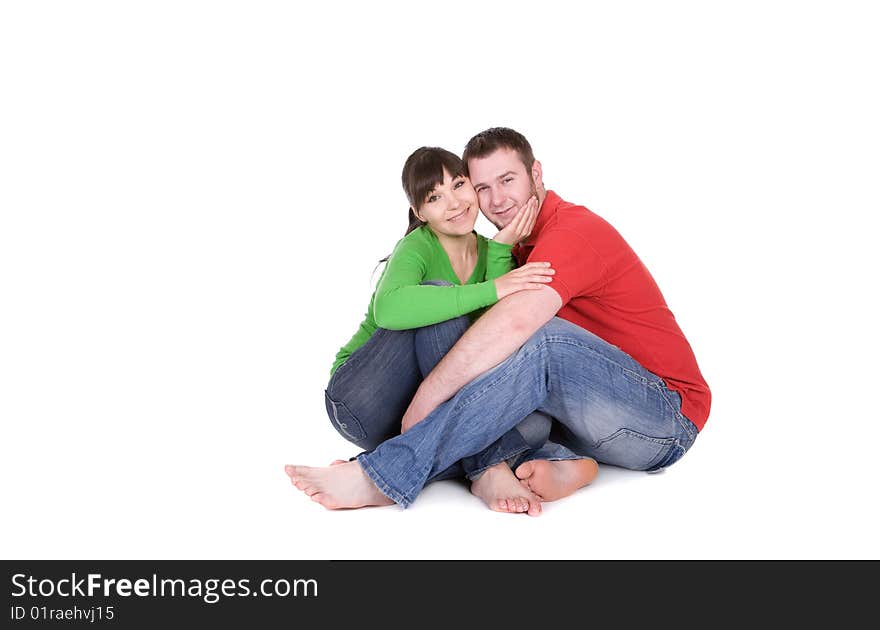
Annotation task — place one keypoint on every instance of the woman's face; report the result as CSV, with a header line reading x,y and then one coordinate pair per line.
x,y
451,208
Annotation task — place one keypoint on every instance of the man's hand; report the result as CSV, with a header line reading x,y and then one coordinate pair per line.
x,y
521,225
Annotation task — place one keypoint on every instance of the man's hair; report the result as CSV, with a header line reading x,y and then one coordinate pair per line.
x,y
487,142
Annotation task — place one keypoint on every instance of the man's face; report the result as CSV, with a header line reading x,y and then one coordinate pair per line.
x,y
502,183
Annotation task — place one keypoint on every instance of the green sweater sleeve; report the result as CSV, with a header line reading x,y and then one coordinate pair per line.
x,y
499,259
402,302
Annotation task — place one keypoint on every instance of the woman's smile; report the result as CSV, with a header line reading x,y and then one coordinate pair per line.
x,y
461,215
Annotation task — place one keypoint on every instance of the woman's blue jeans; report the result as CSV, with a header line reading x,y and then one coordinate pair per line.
x,y
369,393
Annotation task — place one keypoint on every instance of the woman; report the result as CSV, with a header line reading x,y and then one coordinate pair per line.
x,y
439,278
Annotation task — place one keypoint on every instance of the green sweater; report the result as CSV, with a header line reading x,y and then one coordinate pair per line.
x,y
401,302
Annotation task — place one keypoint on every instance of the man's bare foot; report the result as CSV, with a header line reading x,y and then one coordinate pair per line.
x,y
501,491
554,480
342,485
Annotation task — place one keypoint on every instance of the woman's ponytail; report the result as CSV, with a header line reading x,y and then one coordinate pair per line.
x,y
414,222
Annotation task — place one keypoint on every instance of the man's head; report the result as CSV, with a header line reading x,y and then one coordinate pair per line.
x,y
504,172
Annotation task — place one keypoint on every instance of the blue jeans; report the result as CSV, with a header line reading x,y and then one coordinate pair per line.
x,y
606,405
369,393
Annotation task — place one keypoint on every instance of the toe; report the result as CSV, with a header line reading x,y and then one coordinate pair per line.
x,y
525,470
296,471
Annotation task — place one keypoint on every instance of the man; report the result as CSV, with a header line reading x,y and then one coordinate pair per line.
x,y
597,349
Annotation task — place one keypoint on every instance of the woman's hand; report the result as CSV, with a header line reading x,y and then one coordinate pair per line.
x,y
521,225
533,275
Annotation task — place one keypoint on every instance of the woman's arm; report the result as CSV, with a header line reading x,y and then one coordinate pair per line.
x,y
402,302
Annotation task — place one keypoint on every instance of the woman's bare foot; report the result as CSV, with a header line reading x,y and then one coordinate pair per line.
x,y
501,491
554,480
342,485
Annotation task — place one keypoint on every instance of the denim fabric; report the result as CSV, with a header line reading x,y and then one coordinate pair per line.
x,y
606,405
369,393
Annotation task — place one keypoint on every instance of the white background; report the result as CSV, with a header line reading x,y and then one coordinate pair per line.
x,y
194,195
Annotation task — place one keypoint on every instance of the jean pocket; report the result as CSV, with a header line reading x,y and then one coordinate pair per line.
x,y
344,421
631,449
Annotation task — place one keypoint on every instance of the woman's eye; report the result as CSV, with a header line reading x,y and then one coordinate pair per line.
x,y
459,184
432,199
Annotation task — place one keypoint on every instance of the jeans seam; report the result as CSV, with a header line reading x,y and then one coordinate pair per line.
x,y
566,458
626,431
691,431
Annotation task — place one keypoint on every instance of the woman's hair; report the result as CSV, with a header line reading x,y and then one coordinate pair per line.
x,y
423,171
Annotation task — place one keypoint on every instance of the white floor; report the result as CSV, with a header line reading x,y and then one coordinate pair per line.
x,y
228,497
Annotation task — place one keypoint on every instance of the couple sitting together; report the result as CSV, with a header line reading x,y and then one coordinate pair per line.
x,y
518,362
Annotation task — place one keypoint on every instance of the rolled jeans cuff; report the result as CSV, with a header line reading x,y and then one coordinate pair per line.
x,y
398,497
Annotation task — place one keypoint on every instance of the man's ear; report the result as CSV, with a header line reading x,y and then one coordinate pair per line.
x,y
537,175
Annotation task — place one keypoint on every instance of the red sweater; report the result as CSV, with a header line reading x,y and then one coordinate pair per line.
x,y
606,290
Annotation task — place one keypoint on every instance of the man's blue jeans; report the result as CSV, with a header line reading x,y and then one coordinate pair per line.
x,y
369,393
607,407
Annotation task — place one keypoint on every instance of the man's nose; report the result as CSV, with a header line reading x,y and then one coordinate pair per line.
x,y
497,198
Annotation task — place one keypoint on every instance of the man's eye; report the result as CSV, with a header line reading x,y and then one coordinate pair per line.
x,y
507,180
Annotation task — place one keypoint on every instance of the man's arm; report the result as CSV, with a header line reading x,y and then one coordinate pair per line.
x,y
494,337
